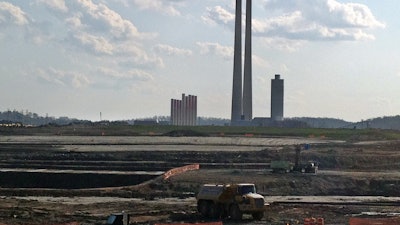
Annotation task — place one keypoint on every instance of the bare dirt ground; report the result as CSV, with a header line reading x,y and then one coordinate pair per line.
x,y
348,173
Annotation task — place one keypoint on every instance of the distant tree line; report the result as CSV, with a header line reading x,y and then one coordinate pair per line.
x,y
323,122
27,118
212,121
387,122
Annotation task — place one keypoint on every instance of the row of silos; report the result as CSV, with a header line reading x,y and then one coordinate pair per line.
x,y
184,112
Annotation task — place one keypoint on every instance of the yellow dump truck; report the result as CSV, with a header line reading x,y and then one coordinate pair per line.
x,y
230,200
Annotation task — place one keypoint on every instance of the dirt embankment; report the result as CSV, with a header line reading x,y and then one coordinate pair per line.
x,y
91,162
346,169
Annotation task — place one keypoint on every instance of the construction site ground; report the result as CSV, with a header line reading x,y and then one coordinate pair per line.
x,y
355,179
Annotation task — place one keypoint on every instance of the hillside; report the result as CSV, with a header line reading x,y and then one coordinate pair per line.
x,y
26,118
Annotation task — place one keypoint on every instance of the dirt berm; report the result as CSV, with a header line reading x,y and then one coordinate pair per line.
x,y
346,169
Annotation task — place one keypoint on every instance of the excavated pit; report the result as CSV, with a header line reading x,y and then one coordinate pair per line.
x,y
71,180
346,169
49,166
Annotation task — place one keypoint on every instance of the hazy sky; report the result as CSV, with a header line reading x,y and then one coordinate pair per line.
x,y
128,58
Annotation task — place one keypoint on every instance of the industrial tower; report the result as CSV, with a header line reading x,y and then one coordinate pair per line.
x,y
242,106
277,98
184,112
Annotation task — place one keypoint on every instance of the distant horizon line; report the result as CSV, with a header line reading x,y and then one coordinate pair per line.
x,y
27,113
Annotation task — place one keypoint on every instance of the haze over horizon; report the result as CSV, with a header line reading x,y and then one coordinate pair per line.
x,y
128,58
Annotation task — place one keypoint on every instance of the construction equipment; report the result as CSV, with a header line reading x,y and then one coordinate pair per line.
x,y
230,200
309,167
281,166
298,166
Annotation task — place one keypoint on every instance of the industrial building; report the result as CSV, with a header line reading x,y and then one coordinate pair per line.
x,y
184,112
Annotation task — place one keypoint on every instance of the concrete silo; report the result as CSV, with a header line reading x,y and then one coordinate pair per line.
x,y
277,98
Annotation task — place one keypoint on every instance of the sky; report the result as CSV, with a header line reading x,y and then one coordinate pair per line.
x,y
128,58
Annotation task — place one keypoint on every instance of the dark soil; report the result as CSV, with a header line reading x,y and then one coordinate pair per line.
x,y
345,169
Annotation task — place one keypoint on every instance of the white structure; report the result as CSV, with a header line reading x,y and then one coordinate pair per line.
x,y
184,112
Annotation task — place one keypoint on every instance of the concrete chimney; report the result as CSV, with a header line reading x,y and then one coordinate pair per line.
x,y
247,85
237,66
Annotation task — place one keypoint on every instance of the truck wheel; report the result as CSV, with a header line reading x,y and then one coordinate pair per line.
x,y
202,207
215,211
235,213
258,215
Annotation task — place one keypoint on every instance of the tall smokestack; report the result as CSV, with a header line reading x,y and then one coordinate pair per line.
x,y
247,86
237,66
